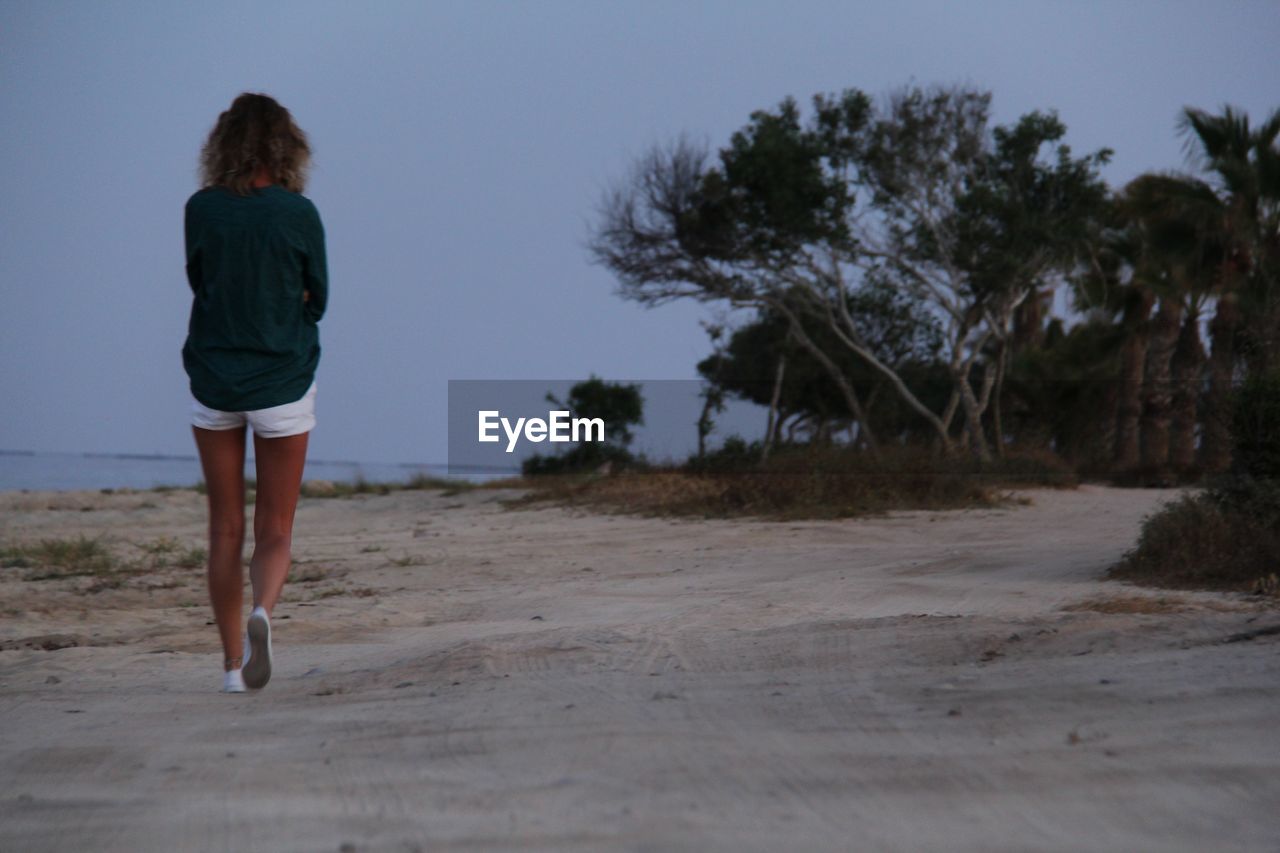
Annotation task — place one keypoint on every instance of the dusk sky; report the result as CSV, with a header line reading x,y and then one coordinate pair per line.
x,y
460,150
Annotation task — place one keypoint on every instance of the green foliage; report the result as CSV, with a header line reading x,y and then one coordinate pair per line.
x,y
1022,207
783,194
1056,392
620,406
855,218
1256,427
735,454
1240,161
894,325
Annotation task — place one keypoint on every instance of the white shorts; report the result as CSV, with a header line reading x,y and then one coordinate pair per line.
x,y
276,422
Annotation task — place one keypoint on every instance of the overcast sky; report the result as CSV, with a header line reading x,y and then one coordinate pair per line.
x,y
460,148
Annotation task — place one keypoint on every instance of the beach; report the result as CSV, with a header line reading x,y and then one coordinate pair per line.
x,y
455,674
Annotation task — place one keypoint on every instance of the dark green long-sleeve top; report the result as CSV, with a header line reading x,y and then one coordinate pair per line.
x,y
252,341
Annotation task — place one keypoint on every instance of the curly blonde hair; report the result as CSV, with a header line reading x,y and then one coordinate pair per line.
x,y
254,132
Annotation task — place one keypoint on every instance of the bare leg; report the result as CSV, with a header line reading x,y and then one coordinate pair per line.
x,y
222,458
280,462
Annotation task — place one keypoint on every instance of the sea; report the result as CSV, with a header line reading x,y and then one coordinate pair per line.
x,y
31,471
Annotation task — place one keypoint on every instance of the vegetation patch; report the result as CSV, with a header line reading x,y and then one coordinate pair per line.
x,y
168,551
1130,604
1228,536
84,556
1206,540
53,558
361,486
795,483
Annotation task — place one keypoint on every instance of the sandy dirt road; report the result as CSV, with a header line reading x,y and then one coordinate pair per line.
x,y
454,675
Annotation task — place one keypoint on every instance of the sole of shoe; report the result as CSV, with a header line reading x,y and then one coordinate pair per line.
x,y
257,670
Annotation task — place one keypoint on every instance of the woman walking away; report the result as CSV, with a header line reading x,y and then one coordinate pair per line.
x,y
256,266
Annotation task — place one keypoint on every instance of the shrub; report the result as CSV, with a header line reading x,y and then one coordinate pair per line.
x,y
734,455
1227,537
1255,428
587,456
1202,541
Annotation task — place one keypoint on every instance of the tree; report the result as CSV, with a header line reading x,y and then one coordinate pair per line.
x,y
1109,287
619,406
762,363
1182,250
1242,166
798,216
1058,390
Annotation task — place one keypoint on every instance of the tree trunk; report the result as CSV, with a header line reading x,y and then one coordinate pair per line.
x,y
1133,356
772,427
1157,389
1261,335
836,374
841,324
1188,368
1028,320
1215,450
997,411
973,411
868,408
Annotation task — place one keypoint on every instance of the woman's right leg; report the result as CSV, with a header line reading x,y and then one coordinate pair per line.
x,y
222,458
280,462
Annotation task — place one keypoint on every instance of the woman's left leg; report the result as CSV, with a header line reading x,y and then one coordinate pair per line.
x,y
222,458
279,466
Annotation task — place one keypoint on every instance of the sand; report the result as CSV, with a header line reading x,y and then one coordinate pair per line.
x,y
455,675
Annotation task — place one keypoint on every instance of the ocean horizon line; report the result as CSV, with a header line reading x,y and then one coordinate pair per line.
x,y
191,457
34,470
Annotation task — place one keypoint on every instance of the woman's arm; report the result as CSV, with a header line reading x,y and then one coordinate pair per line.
x,y
193,255
315,270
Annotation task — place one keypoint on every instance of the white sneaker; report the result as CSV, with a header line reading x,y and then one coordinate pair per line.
x,y
257,659
232,682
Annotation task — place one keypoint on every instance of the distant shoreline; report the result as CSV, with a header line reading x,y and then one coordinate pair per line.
x,y
54,471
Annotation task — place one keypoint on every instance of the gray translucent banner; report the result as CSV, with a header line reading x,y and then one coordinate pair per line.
x,y
669,432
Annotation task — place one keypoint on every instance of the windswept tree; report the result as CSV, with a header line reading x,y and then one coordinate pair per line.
x,y
920,193
761,362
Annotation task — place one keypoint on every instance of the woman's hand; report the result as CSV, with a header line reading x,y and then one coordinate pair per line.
x,y
306,296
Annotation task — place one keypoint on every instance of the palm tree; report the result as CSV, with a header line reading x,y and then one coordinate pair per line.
x,y
1110,287
1180,230
1243,167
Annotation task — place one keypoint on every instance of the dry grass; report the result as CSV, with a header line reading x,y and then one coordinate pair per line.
x,y
1130,604
82,556
827,483
66,557
361,486
310,575
168,551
